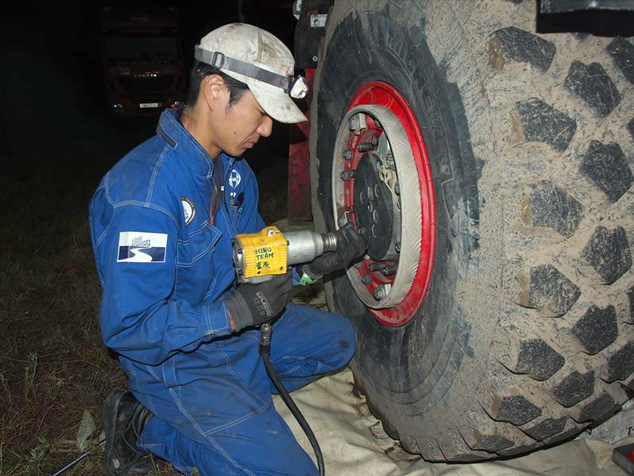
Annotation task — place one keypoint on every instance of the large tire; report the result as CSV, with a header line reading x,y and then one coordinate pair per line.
x,y
523,334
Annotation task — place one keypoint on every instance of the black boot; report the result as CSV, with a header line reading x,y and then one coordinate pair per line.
x,y
124,419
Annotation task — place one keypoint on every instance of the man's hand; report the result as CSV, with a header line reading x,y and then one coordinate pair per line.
x,y
350,245
254,304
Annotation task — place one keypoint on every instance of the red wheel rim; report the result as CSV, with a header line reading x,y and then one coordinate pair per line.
x,y
384,95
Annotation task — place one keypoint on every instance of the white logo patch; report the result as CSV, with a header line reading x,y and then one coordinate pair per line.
x,y
234,178
189,209
140,247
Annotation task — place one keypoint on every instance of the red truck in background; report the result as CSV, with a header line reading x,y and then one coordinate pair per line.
x,y
143,62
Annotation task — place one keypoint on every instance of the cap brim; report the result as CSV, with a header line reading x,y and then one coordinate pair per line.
x,y
275,102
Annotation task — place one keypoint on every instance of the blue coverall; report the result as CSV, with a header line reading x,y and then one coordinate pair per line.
x,y
164,267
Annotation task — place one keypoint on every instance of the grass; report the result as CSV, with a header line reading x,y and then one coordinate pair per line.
x,y
53,364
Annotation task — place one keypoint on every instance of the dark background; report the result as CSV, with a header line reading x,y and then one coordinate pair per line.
x,y
58,140
54,108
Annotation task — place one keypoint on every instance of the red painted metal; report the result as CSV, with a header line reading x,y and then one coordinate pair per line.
x,y
382,94
299,207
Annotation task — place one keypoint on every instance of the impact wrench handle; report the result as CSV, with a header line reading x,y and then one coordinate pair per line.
x,y
265,352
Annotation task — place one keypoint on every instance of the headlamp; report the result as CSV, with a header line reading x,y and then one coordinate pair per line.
x,y
296,87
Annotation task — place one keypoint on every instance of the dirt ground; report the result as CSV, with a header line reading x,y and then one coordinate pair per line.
x,y
54,370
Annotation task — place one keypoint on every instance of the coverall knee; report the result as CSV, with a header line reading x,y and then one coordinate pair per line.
x,y
221,419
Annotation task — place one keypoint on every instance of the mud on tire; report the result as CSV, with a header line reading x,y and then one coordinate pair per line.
x,y
526,334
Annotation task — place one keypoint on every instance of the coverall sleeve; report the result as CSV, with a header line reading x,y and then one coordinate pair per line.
x,y
140,318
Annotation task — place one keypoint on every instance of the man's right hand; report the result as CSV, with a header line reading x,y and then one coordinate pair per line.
x,y
255,304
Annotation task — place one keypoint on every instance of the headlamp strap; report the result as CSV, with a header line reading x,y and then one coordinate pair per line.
x,y
220,61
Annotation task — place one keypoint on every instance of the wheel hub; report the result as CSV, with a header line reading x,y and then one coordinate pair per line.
x,y
375,208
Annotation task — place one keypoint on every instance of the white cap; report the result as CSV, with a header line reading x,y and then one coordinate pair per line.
x,y
259,59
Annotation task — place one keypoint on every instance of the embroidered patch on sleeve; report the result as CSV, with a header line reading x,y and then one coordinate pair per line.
x,y
140,247
189,210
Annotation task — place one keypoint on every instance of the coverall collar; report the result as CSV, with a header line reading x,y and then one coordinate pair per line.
x,y
186,147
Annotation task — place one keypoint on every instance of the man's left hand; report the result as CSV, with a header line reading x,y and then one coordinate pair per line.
x,y
350,245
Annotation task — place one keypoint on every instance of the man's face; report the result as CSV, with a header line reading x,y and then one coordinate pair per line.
x,y
239,127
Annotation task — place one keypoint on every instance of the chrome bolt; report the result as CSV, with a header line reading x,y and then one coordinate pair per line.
x,y
315,58
397,246
341,221
366,279
347,154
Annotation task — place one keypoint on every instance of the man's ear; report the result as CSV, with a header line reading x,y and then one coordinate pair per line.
x,y
212,89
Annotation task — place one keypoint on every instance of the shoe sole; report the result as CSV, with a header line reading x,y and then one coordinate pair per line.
x,y
109,422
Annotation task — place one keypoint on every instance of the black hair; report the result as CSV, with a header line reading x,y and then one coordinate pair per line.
x,y
200,71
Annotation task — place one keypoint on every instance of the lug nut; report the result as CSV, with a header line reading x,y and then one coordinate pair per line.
x,y
366,279
376,266
390,270
347,175
380,292
347,154
367,146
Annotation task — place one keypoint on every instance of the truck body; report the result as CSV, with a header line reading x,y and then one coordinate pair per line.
x,y
142,58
